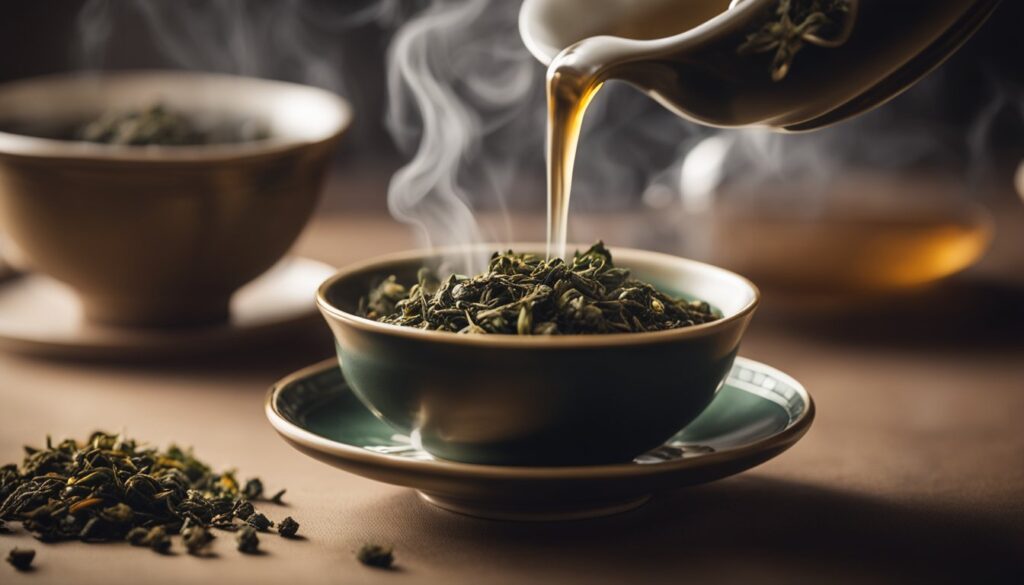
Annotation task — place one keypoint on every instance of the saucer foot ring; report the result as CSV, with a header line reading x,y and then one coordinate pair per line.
x,y
532,511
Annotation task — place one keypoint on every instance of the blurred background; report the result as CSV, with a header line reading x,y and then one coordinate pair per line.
x,y
890,250
445,93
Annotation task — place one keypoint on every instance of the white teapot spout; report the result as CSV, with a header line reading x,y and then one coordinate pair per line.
x,y
784,64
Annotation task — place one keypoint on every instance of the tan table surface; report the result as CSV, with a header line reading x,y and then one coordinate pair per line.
x,y
913,471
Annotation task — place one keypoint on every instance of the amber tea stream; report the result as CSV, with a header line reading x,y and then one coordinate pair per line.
x,y
574,77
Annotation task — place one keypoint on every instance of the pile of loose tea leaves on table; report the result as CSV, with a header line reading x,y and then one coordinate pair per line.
x,y
110,488
525,294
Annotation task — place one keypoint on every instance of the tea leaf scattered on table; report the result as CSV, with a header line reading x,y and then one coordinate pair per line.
x,y
196,538
795,23
155,538
243,510
375,555
248,541
259,522
158,540
524,294
253,489
21,558
137,536
288,527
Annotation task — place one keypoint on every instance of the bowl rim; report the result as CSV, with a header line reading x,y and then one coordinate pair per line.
x,y
23,145
293,433
529,341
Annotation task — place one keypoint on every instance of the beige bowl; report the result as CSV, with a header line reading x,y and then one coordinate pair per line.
x,y
151,235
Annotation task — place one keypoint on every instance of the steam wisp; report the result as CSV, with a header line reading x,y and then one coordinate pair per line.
x,y
459,100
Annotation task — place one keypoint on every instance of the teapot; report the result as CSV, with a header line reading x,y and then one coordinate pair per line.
x,y
789,65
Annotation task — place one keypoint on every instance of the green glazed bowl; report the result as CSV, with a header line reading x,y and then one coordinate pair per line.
x,y
537,400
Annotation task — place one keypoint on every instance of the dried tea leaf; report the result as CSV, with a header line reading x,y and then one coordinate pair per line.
x,y
278,497
21,558
196,538
375,555
259,522
253,489
158,539
138,536
288,527
248,541
243,510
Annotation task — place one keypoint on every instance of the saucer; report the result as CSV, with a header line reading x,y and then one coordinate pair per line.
x,y
7,271
759,413
42,317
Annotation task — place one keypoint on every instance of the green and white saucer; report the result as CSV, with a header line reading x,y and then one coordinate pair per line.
x,y
759,413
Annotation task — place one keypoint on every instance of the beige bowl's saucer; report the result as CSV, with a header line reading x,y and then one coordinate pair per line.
x,y
42,317
759,413
7,272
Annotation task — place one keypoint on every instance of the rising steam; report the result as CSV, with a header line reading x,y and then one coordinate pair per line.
x,y
293,40
460,87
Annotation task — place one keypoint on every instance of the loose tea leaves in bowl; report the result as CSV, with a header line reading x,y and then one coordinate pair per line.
x,y
110,488
163,126
525,294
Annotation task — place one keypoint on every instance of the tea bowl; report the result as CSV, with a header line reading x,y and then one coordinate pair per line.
x,y
160,235
539,400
